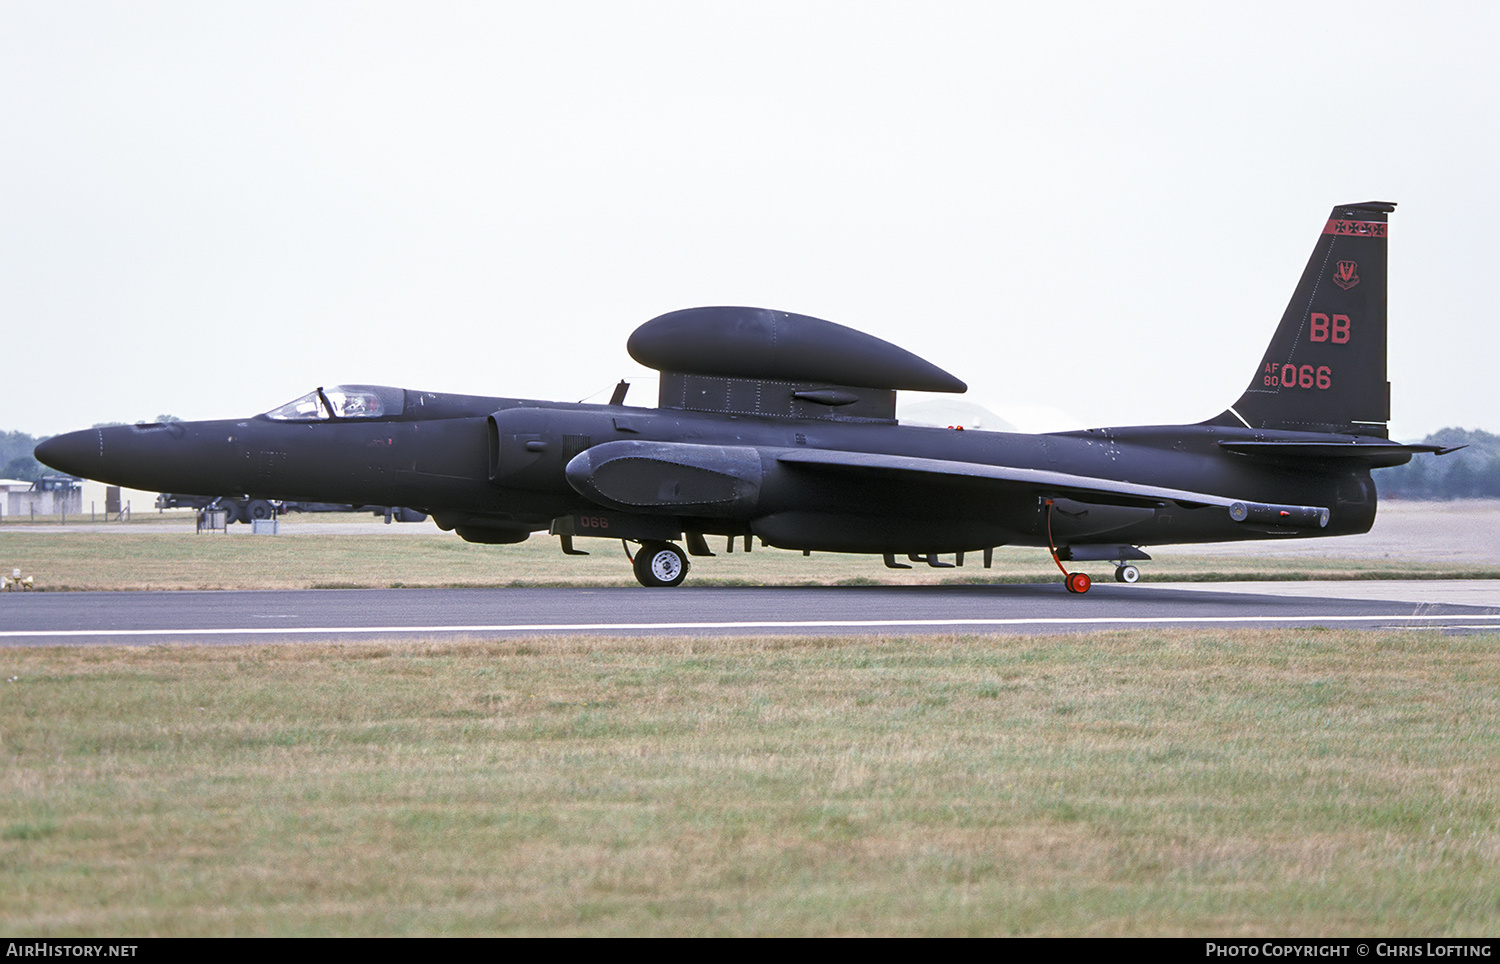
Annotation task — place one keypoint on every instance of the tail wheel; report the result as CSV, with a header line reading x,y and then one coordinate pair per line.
x,y
1078,582
660,564
1129,574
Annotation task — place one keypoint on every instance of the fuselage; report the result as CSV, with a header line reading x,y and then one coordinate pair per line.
x,y
500,465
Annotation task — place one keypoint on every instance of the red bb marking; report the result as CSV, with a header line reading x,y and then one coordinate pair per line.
x,y
1324,328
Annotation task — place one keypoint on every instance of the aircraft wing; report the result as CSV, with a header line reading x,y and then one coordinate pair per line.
x,y
1081,488
725,481
1043,482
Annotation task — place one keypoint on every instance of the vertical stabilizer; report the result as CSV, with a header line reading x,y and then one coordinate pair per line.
x,y
1325,370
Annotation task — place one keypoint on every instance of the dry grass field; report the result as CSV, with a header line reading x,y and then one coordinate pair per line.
x,y
1184,783
1297,782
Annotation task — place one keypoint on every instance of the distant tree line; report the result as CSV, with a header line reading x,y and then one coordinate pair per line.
x,y
1470,473
15,457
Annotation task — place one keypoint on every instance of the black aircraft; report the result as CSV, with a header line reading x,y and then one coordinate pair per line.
x,y
782,428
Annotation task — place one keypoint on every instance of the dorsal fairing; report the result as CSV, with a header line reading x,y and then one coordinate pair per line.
x,y
757,361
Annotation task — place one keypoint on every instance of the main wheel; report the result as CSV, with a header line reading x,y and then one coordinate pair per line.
x,y
232,512
1078,582
660,564
259,509
1127,574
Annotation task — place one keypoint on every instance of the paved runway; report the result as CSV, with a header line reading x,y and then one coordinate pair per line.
x,y
240,617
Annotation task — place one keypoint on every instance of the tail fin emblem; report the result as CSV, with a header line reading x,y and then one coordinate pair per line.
x,y
1346,275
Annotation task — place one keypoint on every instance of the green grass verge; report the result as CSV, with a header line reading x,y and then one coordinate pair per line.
x,y
1299,782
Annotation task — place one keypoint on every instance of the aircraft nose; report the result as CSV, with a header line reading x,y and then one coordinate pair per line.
x,y
76,453
198,457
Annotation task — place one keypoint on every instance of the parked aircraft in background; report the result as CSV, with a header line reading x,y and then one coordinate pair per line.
x,y
782,428
253,510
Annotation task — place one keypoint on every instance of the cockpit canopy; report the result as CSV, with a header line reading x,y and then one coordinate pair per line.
x,y
343,401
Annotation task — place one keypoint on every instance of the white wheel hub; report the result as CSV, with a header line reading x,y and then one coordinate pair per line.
x,y
666,565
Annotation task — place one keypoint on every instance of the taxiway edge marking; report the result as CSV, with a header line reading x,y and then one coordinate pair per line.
x,y
1484,619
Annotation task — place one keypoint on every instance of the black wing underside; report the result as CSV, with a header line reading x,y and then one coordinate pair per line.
x,y
1041,482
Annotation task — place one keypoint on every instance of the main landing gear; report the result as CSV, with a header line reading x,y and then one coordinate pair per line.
x,y
659,564
1127,573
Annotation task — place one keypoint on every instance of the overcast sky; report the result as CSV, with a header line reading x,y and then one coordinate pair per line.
x,y
1097,209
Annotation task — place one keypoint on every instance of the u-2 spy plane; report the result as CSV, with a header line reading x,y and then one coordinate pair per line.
x,y
781,427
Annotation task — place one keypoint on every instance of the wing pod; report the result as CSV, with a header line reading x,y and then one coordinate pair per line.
x,y
673,477
1297,516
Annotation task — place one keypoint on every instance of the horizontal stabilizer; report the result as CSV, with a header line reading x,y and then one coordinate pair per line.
x,y
1334,450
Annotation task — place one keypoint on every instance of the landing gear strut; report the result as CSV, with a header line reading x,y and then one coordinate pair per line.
x,y
660,564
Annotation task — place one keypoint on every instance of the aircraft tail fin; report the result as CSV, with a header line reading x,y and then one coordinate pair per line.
x,y
1325,369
